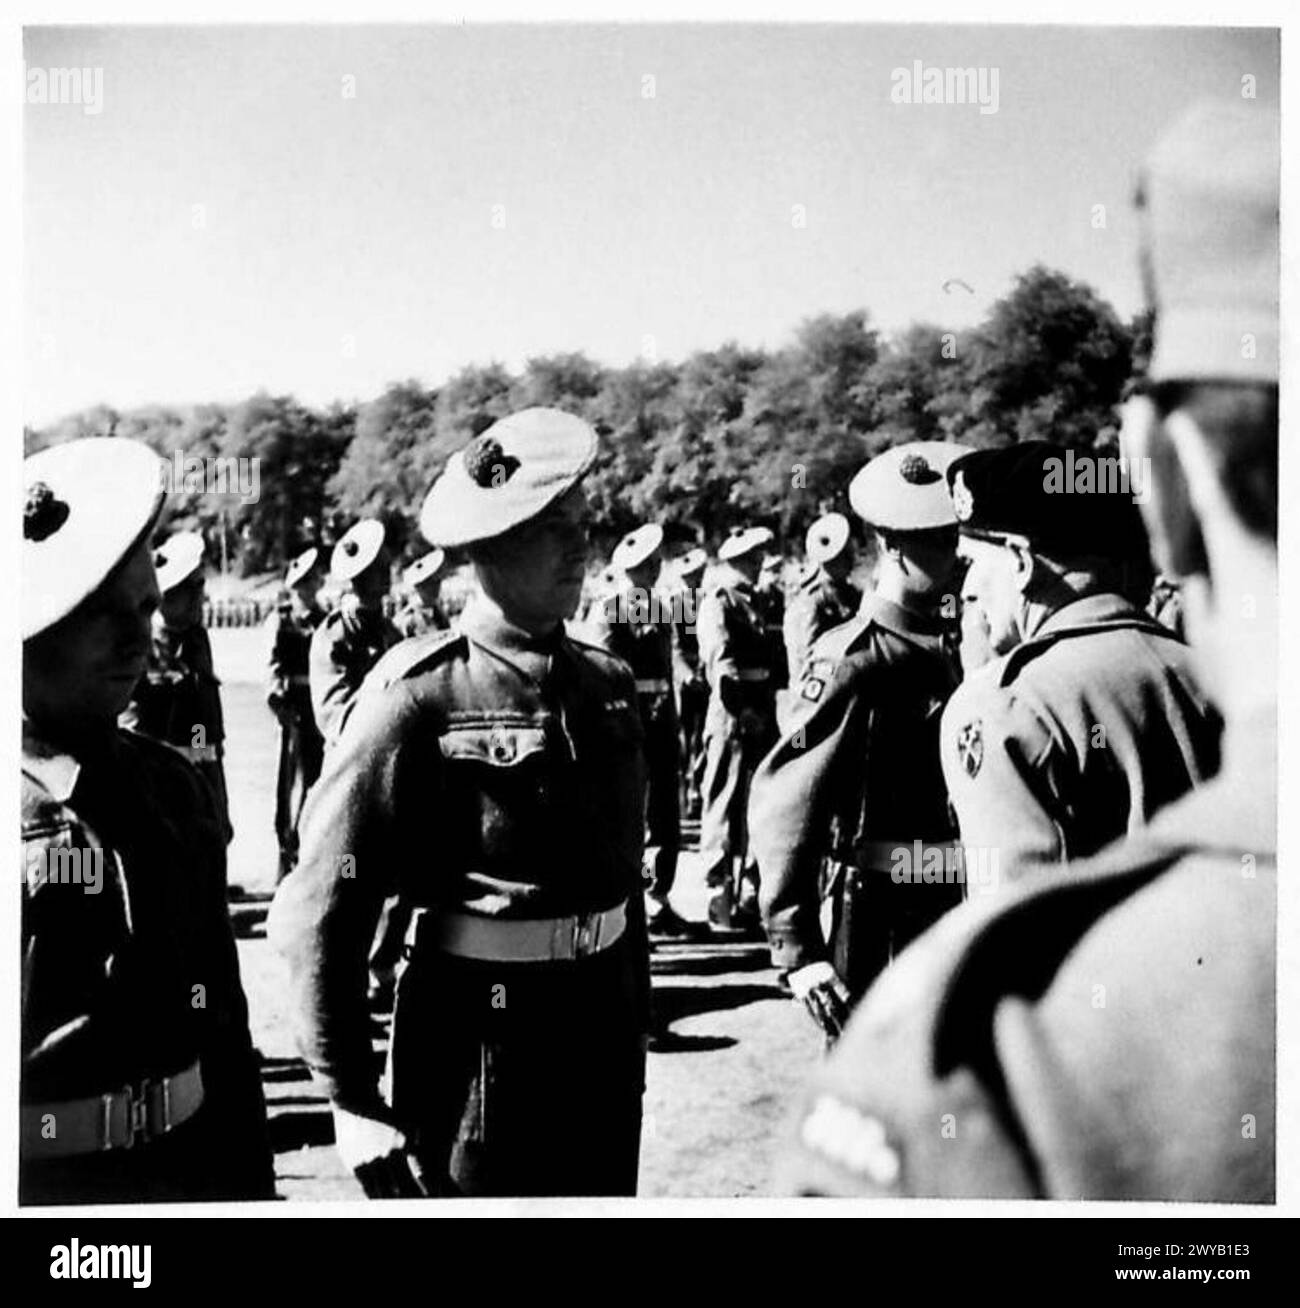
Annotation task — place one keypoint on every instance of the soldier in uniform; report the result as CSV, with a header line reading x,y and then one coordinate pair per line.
x,y
139,1082
826,595
290,629
354,635
631,627
178,700
739,660
688,677
1090,720
1108,1032
855,777
769,600
490,776
423,611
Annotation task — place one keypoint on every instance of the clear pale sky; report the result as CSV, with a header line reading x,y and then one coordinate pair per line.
x,y
349,242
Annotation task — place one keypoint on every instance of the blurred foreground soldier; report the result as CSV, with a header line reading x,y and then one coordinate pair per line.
x,y
1163,1090
491,777
354,635
631,627
850,808
423,611
688,676
738,657
139,1082
826,595
290,630
1090,720
178,700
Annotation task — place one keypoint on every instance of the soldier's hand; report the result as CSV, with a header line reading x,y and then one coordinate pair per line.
x,y
819,989
376,1152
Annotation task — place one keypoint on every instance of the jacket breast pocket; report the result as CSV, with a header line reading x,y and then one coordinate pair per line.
x,y
498,784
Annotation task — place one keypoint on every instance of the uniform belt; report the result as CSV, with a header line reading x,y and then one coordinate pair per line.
x,y
533,940
752,674
653,685
299,679
884,855
117,1120
198,753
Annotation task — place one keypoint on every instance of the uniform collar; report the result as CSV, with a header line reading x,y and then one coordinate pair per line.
x,y
1105,606
487,626
57,770
920,628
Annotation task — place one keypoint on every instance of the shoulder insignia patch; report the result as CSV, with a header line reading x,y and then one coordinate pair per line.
x,y
852,1140
970,746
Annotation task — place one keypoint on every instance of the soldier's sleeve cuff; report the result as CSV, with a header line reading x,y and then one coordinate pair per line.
x,y
792,949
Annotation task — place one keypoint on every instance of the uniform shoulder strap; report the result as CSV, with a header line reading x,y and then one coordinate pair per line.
x,y
1038,930
415,655
1014,663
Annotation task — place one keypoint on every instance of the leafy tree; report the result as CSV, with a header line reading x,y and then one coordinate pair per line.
x,y
1050,363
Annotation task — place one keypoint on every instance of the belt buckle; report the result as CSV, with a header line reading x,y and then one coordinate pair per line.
x,y
146,1112
586,934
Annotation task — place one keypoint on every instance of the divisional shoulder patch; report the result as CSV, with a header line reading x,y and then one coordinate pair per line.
x,y
851,1139
970,746
815,678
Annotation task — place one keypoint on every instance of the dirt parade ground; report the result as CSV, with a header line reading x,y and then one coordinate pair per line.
x,y
723,1071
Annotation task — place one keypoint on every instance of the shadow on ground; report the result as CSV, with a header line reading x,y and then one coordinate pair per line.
x,y
671,1003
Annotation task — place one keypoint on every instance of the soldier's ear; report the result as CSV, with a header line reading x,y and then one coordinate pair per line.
x,y
1162,448
1200,473
1023,564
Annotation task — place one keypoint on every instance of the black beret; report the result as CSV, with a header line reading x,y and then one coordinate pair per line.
x,y
1064,502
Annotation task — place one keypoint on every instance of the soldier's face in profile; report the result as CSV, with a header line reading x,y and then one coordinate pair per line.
x,y
992,585
931,558
81,672
535,573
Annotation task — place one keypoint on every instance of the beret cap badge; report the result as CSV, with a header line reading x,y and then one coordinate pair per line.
x,y
487,463
917,471
963,502
44,513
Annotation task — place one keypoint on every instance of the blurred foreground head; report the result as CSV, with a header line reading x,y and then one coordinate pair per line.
x,y
1208,419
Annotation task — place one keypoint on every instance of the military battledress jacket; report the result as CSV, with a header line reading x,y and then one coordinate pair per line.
x,y
854,778
483,774
345,646
178,694
134,981
1103,1033
821,602
1076,737
301,744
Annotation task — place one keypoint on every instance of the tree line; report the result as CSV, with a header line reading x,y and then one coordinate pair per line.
x,y
725,436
